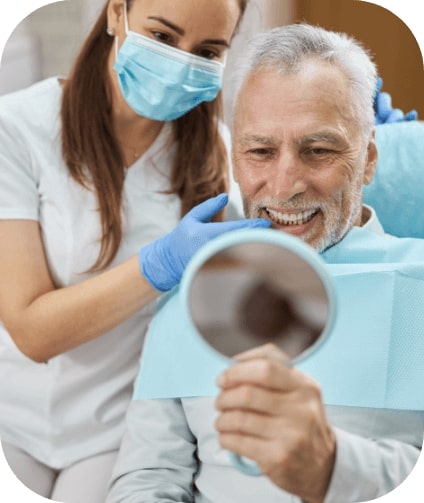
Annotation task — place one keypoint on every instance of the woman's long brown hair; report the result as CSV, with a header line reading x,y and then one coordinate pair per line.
x,y
95,159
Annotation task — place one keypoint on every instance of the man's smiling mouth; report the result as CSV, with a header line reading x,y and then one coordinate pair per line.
x,y
293,218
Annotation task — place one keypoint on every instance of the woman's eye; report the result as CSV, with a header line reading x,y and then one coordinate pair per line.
x,y
208,53
162,37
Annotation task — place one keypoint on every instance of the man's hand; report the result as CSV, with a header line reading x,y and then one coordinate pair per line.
x,y
273,414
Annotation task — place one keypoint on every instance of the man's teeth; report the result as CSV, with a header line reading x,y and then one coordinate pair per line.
x,y
291,218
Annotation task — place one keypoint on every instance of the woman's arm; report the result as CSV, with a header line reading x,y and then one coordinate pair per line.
x,y
44,321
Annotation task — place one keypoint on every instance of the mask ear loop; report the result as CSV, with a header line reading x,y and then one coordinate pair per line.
x,y
116,46
224,61
126,17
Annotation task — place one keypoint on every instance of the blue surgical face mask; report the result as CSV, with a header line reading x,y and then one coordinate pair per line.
x,y
161,82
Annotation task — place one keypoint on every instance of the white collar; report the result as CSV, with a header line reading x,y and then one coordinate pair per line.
x,y
373,223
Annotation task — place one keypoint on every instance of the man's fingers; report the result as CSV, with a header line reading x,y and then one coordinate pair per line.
x,y
251,398
265,351
246,423
263,372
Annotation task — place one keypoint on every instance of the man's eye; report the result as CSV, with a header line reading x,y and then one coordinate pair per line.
x,y
319,151
261,152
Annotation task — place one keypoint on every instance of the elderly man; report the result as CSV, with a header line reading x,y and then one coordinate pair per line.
x,y
303,147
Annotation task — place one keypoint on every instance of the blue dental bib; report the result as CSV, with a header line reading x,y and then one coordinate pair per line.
x,y
373,356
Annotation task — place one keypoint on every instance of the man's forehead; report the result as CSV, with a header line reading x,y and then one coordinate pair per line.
x,y
318,83
273,119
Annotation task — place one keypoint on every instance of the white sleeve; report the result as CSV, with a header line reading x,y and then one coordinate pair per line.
x,y
234,210
18,186
157,457
366,469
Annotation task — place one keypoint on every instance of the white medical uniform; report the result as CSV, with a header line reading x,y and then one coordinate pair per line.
x,y
170,443
73,405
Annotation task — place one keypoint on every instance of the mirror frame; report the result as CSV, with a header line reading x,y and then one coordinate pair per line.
x,y
272,237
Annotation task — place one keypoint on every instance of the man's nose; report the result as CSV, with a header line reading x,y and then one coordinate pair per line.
x,y
288,178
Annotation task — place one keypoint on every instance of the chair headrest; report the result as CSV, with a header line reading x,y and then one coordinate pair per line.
x,y
397,191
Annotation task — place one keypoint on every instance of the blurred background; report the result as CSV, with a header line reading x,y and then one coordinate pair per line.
x,y
46,42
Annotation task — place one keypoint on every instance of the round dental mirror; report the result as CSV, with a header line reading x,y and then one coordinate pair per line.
x,y
252,287
249,293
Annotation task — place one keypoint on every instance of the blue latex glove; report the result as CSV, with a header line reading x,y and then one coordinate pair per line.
x,y
163,262
384,112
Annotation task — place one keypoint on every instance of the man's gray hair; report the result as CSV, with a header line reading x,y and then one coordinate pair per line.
x,y
286,48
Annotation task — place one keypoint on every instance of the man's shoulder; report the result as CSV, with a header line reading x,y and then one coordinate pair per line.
x,y
363,245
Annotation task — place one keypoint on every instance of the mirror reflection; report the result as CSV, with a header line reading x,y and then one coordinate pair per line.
x,y
249,294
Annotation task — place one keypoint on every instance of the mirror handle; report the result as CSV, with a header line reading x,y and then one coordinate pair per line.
x,y
244,465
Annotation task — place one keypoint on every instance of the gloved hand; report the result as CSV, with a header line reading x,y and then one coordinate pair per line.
x,y
384,112
163,262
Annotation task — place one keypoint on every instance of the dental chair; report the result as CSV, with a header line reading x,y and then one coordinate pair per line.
x,y
397,191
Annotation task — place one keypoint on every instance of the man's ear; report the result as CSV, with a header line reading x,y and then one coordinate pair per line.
x,y
371,161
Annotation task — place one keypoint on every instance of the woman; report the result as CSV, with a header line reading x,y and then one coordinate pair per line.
x,y
93,168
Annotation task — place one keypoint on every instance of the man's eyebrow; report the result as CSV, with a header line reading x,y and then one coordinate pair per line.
x,y
327,137
181,32
248,139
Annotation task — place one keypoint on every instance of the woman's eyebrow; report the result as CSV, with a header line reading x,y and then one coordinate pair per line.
x,y
167,23
218,41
